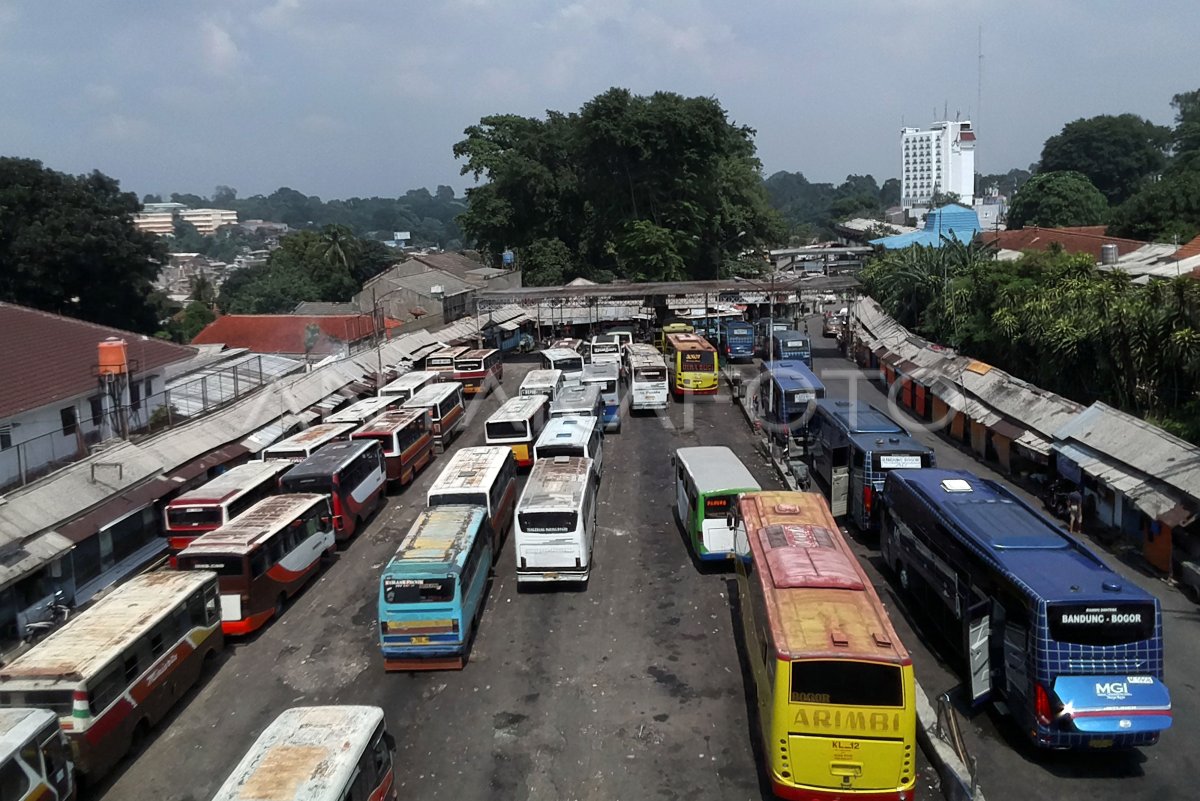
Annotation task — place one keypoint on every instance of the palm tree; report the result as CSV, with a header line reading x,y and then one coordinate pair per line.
x,y
339,246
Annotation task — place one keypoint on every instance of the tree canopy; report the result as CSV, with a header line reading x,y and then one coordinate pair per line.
x,y
642,187
68,245
1116,153
811,209
1055,199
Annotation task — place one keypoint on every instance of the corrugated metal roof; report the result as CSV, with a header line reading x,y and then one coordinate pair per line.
x,y
1138,488
952,221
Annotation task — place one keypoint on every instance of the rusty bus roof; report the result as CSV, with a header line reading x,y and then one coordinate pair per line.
x,y
542,377
477,353
306,754
363,410
433,394
448,353
87,643
471,468
390,422
441,535
252,527
315,436
556,483
20,725
819,602
410,382
233,483
690,342
519,409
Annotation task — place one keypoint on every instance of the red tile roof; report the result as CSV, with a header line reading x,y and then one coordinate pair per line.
x,y
284,333
48,357
1082,239
1188,250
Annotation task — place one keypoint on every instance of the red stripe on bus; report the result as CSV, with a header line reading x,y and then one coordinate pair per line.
x,y
384,789
247,624
161,670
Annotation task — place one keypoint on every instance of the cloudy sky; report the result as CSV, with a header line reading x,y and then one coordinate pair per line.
x,y
346,97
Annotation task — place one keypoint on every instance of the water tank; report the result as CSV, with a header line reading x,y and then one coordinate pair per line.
x,y
1108,254
113,359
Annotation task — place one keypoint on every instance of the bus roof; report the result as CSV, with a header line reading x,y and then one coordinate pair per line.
x,y
715,468
410,381
582,398
792,375
477,353
389,423
362,410
647,360
605,371
677,328
330,459
568,430
248,530
742,324
557,483
890,443
789,334
859,418
307,754
518,409
819,601
309,437
1015,538
20,725
690,342
448,353
233,483
471,468
433,394
87,643
547,378
441,535
643,349
555,354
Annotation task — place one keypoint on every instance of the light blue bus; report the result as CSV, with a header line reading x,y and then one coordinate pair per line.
x,y
431,592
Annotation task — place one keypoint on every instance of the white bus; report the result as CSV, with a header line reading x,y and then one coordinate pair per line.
x,y
542,382
605,349
35,759
365,410
708,479
115,670
443,360
572,436
410,384
637,349
517,424
482,476
318,753
565,359
581,401
556,521
648,388
608,378
215,503
299,447
445,404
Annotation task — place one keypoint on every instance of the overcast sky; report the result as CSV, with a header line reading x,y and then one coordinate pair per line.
x,y
340,98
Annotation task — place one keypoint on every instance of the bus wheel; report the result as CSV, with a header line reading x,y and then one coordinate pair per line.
x,y
279,602
137,740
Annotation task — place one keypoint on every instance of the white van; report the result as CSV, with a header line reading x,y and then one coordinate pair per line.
x,y
572,436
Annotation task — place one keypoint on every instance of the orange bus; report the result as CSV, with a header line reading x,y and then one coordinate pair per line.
x,y
479,371
834,684
443,360
407,439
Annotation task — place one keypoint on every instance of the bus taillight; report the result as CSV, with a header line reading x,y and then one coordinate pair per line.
x,y
1041,705
868,496
338,522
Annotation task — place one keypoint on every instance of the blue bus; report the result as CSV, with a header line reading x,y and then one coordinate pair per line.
x,y
850,449
788,389
431,592
736,340
1074,650
793,345
764,328
608,378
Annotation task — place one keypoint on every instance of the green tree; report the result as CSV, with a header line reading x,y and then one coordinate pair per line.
x,y
1116,153
545,262
1166,210
203,290
1055,199
224,197
889,193
68,245
189,322
1185,138
1006,184
298,270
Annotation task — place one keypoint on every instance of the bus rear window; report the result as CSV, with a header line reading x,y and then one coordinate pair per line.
x,y
508,430
831,681
569,365
1118,624
193,516
469,366
385,441
900,461
717,506
547,522
652,374
221,565
550,451
57,701
459,499
418,591
696,362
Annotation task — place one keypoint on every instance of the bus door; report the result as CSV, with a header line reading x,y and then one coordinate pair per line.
x,y
837,455
686,497
977,627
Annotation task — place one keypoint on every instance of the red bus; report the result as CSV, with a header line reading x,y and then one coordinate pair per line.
x,y
264,557
406,436
443,360
214,504
445,403
479,371
350,474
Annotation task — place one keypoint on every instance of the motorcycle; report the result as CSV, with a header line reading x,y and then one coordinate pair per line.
x,y
54,613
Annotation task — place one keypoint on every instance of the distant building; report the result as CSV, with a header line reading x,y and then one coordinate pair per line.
x,y
948,222
162,222
940,159
1089,239
288,334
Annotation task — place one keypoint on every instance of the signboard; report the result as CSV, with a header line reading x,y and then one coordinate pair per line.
x,y
687,301
899,461
402,236
508,257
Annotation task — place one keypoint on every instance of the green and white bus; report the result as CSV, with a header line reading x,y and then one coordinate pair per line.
x,y
708,480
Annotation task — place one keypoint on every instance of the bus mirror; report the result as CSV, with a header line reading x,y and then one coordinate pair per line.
x,y
731,520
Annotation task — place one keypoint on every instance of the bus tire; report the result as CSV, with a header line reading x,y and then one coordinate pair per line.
x,y
138,737
280,602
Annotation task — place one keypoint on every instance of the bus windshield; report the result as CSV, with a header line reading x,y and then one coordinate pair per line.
x,y
221,565
1099,624
418,590
385,441
57,701
569,365
548,522
697,362
649,374
508,429
842,682
184,516
458,499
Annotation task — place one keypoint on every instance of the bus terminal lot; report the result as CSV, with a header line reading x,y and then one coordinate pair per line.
x,y
631,689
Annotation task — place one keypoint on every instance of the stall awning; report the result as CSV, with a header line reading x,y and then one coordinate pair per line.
x,y
1150,499
117,507
1007,429
21,560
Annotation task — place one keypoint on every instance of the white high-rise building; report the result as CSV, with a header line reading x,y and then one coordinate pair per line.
x,y
940,159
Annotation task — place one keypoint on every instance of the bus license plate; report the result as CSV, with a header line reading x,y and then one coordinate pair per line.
x,y
1100,743
420,640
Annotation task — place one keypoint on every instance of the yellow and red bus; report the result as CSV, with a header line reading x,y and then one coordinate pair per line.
x,y
264,557
835,687
407,439
445,403
443,360
693,363
479,371
115,670
214,504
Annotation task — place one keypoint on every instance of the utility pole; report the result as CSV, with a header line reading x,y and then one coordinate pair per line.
x,y
375,325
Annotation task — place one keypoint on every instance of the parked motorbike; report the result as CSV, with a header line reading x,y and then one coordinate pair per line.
x,y
54,613
1055,495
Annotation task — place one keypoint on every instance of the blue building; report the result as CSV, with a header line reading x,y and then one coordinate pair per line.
x,y
952,221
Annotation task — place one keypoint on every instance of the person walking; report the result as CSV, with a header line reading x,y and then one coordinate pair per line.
x,y
1075,512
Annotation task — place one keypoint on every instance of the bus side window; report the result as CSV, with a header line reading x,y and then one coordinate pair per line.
x,y
258,562
212,606
275,550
